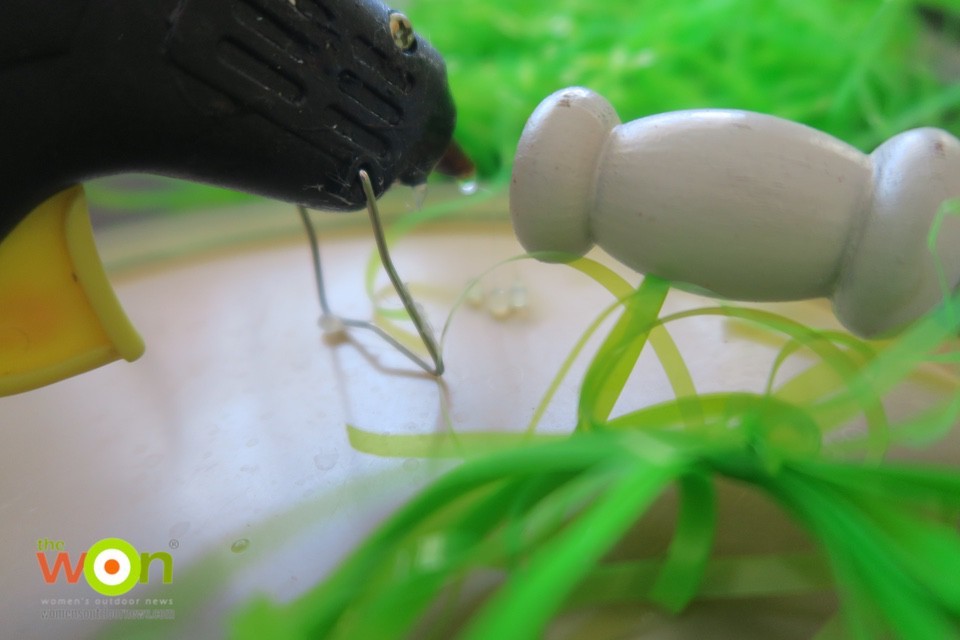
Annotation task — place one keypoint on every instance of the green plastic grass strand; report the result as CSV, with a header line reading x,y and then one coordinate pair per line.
x,y
947,208
531,517
929,426
733,420
565,366
393,612
876,33
670,358
857,606
394,608
858,388
353,574
833,630
919,430
878,588
393,600
926,110
669,415
620,289
552,514
530,598
440,445
865,516
615,359
937,566
914,346
723,578
841,362
831,414
603,275
690,548
891,480
853,345
817,62
904,603
819,381
666,349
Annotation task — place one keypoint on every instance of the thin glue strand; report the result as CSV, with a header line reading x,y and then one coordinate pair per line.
x,y
411,220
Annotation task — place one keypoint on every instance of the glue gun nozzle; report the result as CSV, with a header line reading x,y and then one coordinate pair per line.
x,y
455,163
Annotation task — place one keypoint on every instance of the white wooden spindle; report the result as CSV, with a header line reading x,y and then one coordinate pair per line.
x,y
743,205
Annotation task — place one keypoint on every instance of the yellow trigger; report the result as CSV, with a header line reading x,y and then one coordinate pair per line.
x,y
59,315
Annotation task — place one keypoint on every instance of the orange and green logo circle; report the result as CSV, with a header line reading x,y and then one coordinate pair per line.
x,y
112,567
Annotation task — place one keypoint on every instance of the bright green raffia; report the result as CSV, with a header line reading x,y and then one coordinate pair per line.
x,y
893,559
857,69
948,208
614,362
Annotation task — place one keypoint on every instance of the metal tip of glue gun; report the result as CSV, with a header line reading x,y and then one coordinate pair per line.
x,y
455,163
331,322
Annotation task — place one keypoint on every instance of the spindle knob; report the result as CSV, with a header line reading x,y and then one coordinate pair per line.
x,y
743,205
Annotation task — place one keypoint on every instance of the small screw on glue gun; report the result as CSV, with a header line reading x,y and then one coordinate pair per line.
x,y
744,205
290,99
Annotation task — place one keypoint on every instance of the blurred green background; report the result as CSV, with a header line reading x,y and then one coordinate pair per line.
x,y
861,70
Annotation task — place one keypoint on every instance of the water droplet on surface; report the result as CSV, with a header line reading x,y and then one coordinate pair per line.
x,y
411,464
469,186
239,546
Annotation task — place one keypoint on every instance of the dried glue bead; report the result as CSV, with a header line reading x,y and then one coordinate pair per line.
x,y
474,295
498,303
518,297
419,196
742,205
332,326
468,187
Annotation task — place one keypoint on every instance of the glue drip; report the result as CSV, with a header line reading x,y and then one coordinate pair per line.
x,y
468,186
419,196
